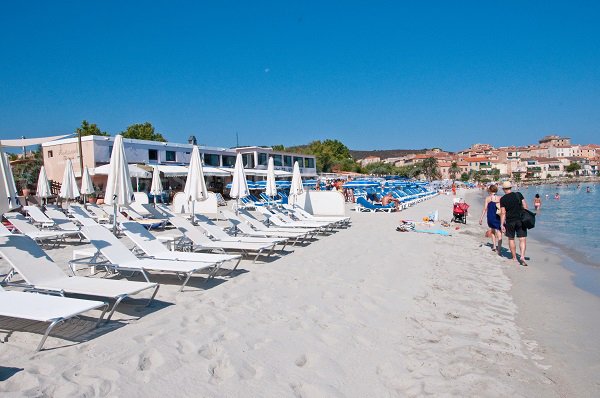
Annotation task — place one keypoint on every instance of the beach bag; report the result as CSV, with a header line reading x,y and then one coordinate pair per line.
x,y
527,217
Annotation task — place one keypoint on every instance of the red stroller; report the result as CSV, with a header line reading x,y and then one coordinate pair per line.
x,y
459,211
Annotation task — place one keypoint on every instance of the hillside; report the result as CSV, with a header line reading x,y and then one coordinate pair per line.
x,y
384,153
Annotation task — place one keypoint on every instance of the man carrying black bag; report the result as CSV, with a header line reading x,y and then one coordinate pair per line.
x,y
511,205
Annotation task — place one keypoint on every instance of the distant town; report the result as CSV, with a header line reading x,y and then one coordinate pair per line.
x,y
553,156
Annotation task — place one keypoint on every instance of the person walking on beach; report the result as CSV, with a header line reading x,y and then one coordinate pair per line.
x,y
510,220
490,207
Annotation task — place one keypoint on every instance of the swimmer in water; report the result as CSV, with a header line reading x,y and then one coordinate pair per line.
x,y
557,196
588,190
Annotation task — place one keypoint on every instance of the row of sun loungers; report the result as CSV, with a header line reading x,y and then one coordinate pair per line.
x,y
198,249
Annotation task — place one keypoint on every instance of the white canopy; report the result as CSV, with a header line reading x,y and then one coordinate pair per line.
x,y
263,172
19,142
68,189
134,171
180,171
43,185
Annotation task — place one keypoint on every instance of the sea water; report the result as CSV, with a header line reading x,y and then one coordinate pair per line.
x,y
571,225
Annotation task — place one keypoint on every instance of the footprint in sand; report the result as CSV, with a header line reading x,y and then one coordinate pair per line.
x,y
301,361
149,359
220,370
209,351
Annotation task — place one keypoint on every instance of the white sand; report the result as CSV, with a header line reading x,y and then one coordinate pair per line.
x,y
366,312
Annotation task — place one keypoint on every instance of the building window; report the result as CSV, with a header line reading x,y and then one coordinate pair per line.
x,y
152,155
210,159
309,163
228,161
262,159
248,159
287,161
170,156
277,160
50,154
299,160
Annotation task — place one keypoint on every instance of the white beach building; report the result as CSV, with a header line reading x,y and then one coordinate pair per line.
x,y
171,159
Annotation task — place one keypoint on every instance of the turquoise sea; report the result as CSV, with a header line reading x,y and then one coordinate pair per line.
x,y
571,226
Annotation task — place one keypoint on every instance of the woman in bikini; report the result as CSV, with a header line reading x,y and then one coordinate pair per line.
x,y
490,207
537,202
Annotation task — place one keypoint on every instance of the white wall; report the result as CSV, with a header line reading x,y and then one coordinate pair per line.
x,y
323,203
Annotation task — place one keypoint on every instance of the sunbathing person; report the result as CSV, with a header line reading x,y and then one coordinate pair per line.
x,y
388,198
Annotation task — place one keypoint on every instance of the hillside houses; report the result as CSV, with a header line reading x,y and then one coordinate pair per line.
x,y
549,158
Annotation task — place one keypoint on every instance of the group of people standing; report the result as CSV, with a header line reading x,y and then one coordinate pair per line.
x,y
504,217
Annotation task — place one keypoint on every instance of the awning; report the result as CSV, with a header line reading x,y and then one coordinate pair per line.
x,y
20,142
181,171
263,173
134,171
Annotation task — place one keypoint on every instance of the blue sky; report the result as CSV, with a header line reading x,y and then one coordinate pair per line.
x,y
374,75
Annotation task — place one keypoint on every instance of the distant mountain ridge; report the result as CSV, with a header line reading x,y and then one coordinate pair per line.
x,y
384,153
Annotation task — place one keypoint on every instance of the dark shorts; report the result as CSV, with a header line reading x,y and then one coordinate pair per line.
x,y
515,227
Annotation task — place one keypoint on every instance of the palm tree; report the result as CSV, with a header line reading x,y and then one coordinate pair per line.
x,y
453,170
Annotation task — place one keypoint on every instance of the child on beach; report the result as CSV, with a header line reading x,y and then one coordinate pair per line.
x,y
490,207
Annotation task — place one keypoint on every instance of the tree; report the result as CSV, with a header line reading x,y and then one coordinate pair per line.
x,y
143,131
278,148
26,172
328,153
517,176
453,170
495,173
89,129
430,168
464,177
573,167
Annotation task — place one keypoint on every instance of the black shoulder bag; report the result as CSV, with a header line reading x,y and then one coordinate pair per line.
x,y
527,217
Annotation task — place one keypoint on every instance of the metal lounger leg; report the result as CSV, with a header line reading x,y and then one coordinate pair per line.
x,y
189,275
234,268
50,327
104,309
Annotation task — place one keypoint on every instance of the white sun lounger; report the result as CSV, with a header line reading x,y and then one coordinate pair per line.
x,y
258,225
148,223
61,221
45,308
152,247
246,229
286,218
302,214
122,259
38,217
43,237
219,235
147,211
98,213
279,222
83,217
203,242
42,274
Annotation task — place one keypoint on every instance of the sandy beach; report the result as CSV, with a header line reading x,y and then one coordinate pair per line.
x,y
367,311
